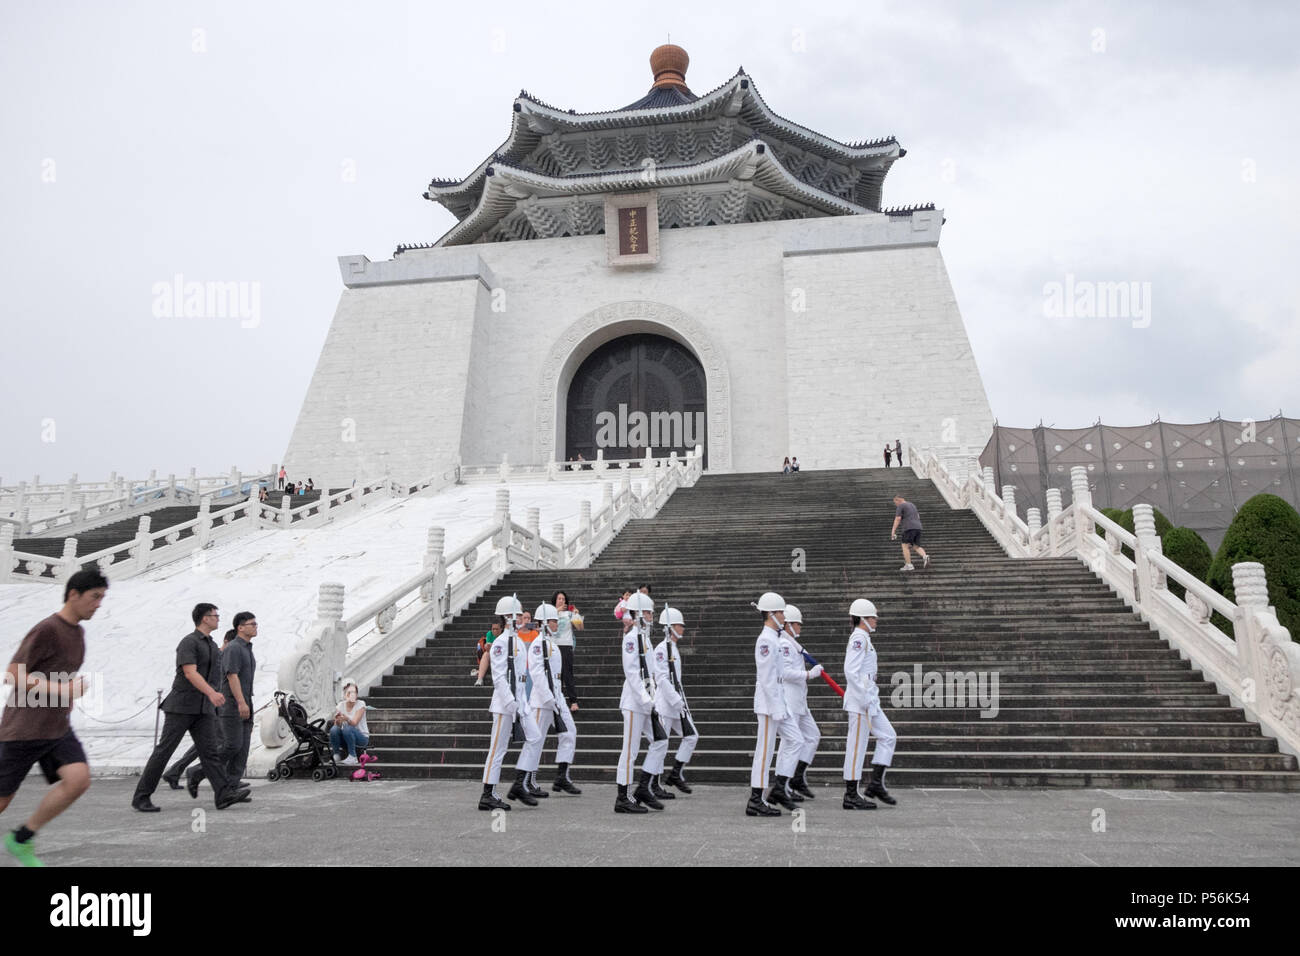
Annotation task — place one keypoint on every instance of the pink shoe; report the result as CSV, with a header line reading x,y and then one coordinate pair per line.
x,y
358,774
368,758
373,775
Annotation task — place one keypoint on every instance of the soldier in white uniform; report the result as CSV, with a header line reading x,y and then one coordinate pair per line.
x,y
670,703
637,705
794,683
509,669
773,717
547,700
862,701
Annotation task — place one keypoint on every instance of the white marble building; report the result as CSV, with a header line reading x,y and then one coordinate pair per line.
x,y
697,257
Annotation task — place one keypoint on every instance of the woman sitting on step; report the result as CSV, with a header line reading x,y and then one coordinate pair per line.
x,y
350,730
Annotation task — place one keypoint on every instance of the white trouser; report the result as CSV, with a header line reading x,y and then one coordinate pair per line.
x,y
791,746
531,754
812,736
635,726
654,758
498,744
567,742
855,746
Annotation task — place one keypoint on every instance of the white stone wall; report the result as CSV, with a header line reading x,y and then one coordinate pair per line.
x,y
469,350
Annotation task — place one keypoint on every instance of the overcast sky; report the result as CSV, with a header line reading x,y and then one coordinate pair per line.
x,y
256,142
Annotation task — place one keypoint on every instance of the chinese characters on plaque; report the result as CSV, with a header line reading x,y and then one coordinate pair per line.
x,y
632,229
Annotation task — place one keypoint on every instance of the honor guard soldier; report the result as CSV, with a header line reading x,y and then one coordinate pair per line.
x,y
773,717
547,700
862,701
637,704
670,702
794,683
512,718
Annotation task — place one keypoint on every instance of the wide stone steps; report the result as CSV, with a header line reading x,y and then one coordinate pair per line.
x,y
1088,695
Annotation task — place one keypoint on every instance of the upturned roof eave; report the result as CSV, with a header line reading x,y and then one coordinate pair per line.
x,y
768,171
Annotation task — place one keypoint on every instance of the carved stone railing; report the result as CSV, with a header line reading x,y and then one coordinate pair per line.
x,y
1258,668
380,635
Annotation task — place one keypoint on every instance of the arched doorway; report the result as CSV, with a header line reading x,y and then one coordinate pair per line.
x,y
636,392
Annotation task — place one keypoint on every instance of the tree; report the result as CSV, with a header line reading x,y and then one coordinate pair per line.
x,y
1188,550
1266,529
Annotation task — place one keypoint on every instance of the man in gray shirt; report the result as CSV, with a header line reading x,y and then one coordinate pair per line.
x,y
906,515
237,666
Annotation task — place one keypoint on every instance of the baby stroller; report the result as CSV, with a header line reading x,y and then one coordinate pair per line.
x,y
311,750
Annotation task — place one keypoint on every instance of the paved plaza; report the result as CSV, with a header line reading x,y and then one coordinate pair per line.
x,y
435,823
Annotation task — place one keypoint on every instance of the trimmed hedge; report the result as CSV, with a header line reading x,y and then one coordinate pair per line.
x,y
1266,529
1188,550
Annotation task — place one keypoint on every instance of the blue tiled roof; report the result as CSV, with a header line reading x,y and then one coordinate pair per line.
x,y
661,96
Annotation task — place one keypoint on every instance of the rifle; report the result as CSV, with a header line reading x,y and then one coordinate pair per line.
x,y
688,726
648,681
558,725
517,729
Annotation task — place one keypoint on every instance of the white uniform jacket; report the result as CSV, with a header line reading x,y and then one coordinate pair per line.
x,y
860,693
794,678
505,699
668,702
635,697
542,698
767,685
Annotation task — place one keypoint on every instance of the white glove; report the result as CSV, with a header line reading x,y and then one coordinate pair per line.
x,y
816,672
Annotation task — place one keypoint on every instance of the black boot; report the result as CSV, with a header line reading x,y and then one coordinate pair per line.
x,y
623,805
757,806
676,778
531,783
799,783
659,792
520,792
854,800
644,795
562,781
781,794
876,788
490,801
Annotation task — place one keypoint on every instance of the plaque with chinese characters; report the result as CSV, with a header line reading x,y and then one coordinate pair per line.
x,y
632,229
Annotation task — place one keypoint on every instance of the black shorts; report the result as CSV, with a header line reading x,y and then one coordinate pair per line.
x,y
912,536
18,756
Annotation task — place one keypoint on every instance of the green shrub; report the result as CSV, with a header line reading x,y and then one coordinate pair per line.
x,y
1188,550
1266,529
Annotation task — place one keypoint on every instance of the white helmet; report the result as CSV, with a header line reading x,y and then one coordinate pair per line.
x,y
771,601
792,615
640,602
509,605
671,616
546,612
862,608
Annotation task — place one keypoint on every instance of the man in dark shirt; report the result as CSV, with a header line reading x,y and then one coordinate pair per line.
x,y
236,714
36,728
192,707
906,514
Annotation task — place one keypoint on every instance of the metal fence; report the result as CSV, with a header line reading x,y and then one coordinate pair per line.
x,y
1198,475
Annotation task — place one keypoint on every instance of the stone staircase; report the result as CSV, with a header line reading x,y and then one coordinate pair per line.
x,y
122,533
1088,696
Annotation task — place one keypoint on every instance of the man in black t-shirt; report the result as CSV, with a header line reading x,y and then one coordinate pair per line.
x,y
36,728
192,707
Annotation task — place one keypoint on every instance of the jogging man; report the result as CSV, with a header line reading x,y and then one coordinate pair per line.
x,y
905,514
36,726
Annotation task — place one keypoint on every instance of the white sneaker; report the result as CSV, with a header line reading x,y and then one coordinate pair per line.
x,y
907,567
349,762
925,560
479,682
473,672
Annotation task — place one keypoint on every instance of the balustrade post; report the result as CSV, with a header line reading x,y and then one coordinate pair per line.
x,y
584,522
504,470
1144,527
194,480
171,486
234,475
1082,500
6,550
20,499
1250,593
204,528
286,506
68,563
81,507
501,518
435,560
68,490
534,524
1009,503
1034,519
1053,511
557,536
143,543
989,490
607,499
599,464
